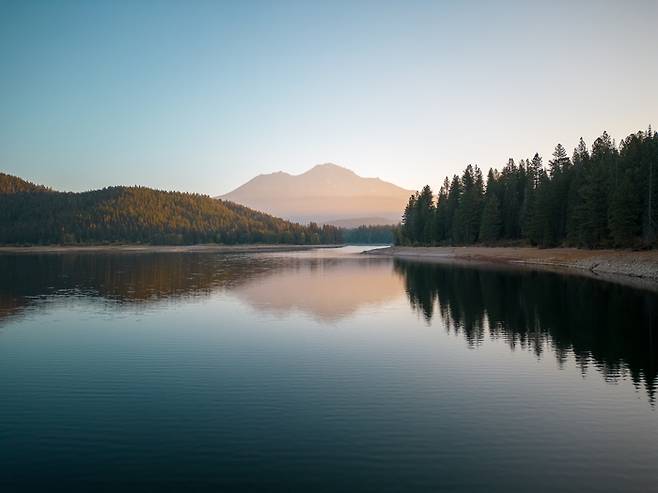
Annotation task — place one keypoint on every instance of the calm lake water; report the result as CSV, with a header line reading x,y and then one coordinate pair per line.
x,y
321,371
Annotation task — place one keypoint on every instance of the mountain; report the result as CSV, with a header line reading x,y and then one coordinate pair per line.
x,y
32,214
327,194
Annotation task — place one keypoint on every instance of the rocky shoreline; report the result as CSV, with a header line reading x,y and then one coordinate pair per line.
x,y
636,264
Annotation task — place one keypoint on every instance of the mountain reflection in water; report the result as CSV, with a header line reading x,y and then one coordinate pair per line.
x,y
327,289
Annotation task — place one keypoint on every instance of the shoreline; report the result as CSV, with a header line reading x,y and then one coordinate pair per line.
x,y
617,264
132,248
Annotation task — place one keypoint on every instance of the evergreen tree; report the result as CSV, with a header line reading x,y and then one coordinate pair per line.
x,y
552,199
409,222
469,210
625,213
511,199
649,171
575,211
532,219
491,223
542,231
441,233
424,227
595,193
452,204
559,162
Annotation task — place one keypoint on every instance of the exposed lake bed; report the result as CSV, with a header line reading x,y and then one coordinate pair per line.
x,y
639,264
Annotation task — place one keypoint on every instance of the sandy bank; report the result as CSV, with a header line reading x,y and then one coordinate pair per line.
x,y
609,262
206,248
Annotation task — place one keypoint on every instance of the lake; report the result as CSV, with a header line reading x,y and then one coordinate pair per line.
x,y
324,370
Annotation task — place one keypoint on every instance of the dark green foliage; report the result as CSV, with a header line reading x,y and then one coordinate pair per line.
x,y
418,219
625,213
469,211
425,215
508,186
490,223
442,212
595,193
452,203
142,215
580,162
606,198
369,235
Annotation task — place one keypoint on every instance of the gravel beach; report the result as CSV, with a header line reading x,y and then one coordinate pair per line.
x,y
638,264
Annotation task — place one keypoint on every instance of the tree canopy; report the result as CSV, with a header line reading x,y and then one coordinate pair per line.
x,y
373,235
603,197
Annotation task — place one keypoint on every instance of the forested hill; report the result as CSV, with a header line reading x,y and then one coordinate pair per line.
x,y
13,184
606,196
30,214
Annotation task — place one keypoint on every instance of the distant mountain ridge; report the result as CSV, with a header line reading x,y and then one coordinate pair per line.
x,y
327,194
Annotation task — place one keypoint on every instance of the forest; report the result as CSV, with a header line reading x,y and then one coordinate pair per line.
x,y
34,215
369,235
603,197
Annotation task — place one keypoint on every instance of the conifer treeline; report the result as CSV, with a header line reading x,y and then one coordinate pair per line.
x,y
606,197
373,235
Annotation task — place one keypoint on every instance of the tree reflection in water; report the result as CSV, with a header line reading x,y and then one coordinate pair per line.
x,y
607,325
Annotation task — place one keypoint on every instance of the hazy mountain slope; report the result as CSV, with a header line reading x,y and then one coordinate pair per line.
x,y
325,193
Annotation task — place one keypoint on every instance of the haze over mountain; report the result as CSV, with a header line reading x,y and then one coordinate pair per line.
x,y
327,193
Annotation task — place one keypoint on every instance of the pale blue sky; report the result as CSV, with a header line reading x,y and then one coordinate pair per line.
x,y
201,96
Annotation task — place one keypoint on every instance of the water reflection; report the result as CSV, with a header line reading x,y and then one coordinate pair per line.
x,y
325,288
120,278
608,326
603,324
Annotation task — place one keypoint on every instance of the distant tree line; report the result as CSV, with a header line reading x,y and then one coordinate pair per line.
x,y
603,197
378,235
31,214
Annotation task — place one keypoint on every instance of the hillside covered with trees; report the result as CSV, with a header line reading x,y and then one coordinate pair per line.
x,y
13,184
32,214
603,197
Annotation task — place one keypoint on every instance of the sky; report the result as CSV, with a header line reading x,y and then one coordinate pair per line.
x,y
202,96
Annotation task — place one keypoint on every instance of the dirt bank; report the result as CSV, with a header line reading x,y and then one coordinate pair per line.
x,y
206,248
609,262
